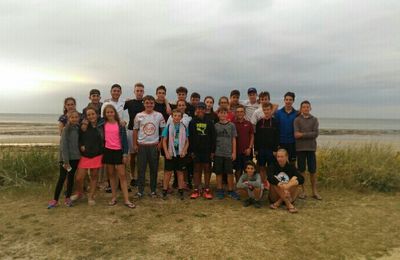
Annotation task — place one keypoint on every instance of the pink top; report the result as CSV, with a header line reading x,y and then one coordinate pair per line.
x,y
111,133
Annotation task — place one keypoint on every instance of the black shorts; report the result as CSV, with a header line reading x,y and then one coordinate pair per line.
x,y
265,157
291,149
308,157
241,160
175,164
222,165
113,157
202,158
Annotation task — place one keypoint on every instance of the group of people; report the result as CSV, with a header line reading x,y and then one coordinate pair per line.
x,y
195,142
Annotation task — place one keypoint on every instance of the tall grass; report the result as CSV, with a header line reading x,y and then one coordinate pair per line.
x,y
368,167
20,166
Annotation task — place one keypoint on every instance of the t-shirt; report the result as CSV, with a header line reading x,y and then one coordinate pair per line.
x,y
134,106
212,116
283,174
165,134
249,109
162,108
119,106
309,127
148,126
112,137
185,120
244,132
224,133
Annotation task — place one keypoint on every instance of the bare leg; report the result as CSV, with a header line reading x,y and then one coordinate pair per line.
x,y
132,162
112,178
230,182
263,173
257,193
181,180
207,175
93,182
303,191
197,175
120,169
166,180
313,179
219,181
80,176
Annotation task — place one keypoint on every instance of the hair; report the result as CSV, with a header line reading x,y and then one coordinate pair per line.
x,y
139,85
223,97
162,87
116,115
305,102
289,94
177,102
70,113
251,163
284,151
148,97
181,89
267,105
195,95
94,92
176,111
210,97
235,92
116,86
240,106
65,102
90,107
264,94
222,109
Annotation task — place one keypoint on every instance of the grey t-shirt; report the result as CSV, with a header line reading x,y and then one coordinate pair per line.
x,y
225,133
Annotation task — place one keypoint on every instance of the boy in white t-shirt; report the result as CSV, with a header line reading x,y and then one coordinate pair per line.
x,y
116,101
146,141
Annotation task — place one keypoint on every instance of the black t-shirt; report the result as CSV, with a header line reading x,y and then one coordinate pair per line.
x,y
267,134
162,108
134,107
277,174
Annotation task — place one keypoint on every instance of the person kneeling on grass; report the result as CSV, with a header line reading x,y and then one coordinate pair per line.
x,y
175,144
250,181
285,180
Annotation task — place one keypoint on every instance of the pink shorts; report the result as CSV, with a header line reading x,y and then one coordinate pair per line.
x,y
91,163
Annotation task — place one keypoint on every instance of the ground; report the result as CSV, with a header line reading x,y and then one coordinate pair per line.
x,y
346,224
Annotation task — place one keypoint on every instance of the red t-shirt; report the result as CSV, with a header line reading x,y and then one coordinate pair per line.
x,y
244,131
231,116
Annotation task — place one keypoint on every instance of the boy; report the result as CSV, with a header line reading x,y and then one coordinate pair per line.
x,y
244,141
146,140
181,93
306,133
250,181
234,100
285,117
162,104
263,98
194,99
266,141
115,100
251,104
94,97
202,148
175,143
225,153
134,106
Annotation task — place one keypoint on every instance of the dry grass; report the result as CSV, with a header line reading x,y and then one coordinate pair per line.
x,y
344,225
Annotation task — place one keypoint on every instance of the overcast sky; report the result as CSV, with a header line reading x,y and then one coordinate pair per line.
x,y
343,56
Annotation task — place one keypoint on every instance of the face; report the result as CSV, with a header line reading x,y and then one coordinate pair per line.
x,y
181,106
234,99
305,109
264,100
161,94
253,97
200,112
209,103
115,93
288,101
224,103
282,158
181,96
250,170
70,105
176,117
267,112
110,114
222,115
95,98
240,113
139,92
148,105
91,115
73,119
194,101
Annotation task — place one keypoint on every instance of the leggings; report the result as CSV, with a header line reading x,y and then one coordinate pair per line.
x,y
70,179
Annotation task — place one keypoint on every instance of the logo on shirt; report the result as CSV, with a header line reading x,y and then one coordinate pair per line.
x,y
201,128
282,177
149,129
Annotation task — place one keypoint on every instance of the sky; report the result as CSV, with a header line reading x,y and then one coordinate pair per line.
x,y
343,56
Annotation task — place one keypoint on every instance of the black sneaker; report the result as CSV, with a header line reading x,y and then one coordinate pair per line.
x,y
257,204
247,202
129,190
133,183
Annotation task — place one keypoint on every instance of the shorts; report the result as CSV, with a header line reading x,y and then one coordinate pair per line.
x,y
291,149
222,165
175,164
240,161
90,163
202,158
265,156
308,157
113,157
129,135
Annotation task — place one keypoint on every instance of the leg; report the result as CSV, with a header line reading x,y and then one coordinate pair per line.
x,y
71,177
167,179
60,182
181,180
120,169
230,181
219,181
80,176
263,173
257,193
207,175
111,177
153,164
93,182
142,164
197,175
301,165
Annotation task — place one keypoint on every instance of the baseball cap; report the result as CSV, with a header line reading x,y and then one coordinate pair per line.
x,y
251,90
201,105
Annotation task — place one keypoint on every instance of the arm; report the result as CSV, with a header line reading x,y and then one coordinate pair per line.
x,y
185,148
314,132
257,182
241,184
65,148
135,140
165,147
60,128
124,141
168,107
297,131
234,148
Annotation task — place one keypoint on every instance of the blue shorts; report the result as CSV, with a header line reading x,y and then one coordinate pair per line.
x,y
265,156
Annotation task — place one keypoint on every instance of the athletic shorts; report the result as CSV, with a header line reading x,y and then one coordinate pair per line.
x,y
113,157
129,134
291,149
175,164
308,157
265,156
240,161
202,158
222,165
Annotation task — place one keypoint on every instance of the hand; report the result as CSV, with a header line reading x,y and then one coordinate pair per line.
x,y
183,153
159,145
135,148
233,156
247,152
66,166
123,123
246,182
298,135
83,148
251,187
168,156
124,159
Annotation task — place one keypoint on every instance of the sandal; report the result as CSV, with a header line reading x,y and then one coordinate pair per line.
x,y
302,196
293,210
112,202
273,206
130,205
317,197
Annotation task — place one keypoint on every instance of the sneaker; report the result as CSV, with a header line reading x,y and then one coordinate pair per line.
x,y
195,194
138,195
257,204
76,196
266,185
68,202
108,190
247,202
220,194
233,195
207,194
91,202
52,204
133,183
153,194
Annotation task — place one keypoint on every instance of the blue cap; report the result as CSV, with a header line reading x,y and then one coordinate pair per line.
x,y
201,105
251,90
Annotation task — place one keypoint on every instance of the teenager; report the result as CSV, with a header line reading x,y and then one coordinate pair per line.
x,y
134,106
306,132
223,102
202,149
175,144
285,117
251,103
234,100
94,97
263,98
244,141
161,105
284,179
69,106
146,139
250,181
194,99
116,101
209,112
69,158
181,94
182,107
225,153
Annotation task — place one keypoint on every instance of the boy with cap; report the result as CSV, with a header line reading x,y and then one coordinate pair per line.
x,y
234,100
251,104
94,97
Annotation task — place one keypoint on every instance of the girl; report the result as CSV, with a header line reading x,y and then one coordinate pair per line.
x,y
69,158
224,102
115,153
175,144
91,144
250,181
69,106
209,113
284,179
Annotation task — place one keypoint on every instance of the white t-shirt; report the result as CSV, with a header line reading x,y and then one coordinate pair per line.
x,y
185,120
257,115
249,108
149,127
119,106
